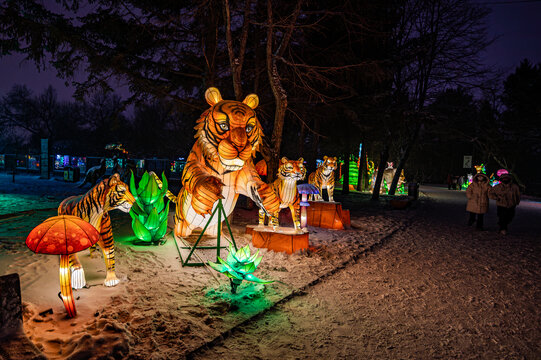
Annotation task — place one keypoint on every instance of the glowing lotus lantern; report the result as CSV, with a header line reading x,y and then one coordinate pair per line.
x,y
305,190
240,265
63,235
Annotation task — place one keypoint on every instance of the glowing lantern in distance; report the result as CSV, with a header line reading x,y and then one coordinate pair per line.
x,y
63,235
501,172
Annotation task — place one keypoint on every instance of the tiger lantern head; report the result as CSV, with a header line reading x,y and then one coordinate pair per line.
x,y
329,163
291,169
117,195
479,168
229,132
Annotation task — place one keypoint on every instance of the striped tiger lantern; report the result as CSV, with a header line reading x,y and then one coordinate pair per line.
x,y
285,188
93,207
220,165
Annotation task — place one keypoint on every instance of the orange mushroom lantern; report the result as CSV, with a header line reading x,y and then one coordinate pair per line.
x,y
63,235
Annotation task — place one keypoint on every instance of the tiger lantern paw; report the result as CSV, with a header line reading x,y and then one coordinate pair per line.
x,y
206,192
111,280
265,198
254,195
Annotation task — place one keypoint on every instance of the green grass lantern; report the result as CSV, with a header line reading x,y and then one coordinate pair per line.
x,y
239,266
149,212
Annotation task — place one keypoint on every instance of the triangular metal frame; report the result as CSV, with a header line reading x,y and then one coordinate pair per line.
x,y
220,211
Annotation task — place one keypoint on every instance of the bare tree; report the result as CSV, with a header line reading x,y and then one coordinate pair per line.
x,y
35,115
437,44
236,61
280,94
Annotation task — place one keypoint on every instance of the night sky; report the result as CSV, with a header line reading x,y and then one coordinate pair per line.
x,y
515,21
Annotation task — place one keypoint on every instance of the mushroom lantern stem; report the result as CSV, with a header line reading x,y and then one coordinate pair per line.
x,y
303,211
65,286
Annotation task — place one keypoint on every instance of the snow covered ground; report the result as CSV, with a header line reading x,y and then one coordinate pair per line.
x,y
399,284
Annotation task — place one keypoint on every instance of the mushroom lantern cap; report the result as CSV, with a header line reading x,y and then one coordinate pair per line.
x,y
307,189
62,235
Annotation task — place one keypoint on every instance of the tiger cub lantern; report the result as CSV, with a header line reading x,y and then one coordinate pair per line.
x,y
285,188
323,178
93,207
220,165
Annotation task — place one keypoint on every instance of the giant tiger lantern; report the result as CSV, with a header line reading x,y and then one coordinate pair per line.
x,y
220,165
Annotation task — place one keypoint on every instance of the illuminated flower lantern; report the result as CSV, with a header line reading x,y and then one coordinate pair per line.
x,y
305,190
63,235
239,266
501,172
149,212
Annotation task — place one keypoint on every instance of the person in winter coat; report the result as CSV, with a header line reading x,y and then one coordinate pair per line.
x,y
507,196
477,194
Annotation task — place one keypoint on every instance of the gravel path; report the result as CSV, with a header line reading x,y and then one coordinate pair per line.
x,y
439,289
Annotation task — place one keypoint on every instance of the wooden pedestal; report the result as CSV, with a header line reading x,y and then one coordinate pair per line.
x,y
286,240
329,215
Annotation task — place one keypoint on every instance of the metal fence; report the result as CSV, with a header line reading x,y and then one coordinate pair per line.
x,y
30,163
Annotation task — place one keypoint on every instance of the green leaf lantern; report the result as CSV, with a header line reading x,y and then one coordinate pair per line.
x,y
149,213
239,266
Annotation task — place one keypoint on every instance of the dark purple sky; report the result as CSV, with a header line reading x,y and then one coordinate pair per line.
x,y
519,26
518,22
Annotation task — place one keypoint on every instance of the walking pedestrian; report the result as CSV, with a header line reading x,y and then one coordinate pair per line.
x,y
449,181
460,182
477,194
507,196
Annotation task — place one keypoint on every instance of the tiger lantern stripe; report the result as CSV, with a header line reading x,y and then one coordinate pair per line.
x,y
220,165
93,207
323,178
285,187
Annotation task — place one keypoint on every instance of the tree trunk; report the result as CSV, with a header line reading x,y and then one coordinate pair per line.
x,y
384,156
236,62
345,181
312,164
403,159
366,179
276,140
280,94
300,147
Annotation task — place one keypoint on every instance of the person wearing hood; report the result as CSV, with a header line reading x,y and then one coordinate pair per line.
x,y
507,196
477,194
